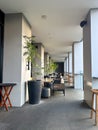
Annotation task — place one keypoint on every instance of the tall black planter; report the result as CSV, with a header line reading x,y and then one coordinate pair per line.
x,y
34,89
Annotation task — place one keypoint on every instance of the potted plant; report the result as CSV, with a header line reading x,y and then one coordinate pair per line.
x,y
34,85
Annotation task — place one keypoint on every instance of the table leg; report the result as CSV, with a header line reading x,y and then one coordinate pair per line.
x,y
5,97
7,93
96,113
3,102
92,105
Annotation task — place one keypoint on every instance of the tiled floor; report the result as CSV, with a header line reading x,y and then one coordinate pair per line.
x,y
56,113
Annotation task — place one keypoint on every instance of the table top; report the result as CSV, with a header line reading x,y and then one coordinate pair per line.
x,y
94,91
7,84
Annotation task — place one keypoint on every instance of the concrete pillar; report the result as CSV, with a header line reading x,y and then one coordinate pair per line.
x,y
14,66
67,64
40,61
46,62
90,46
65,67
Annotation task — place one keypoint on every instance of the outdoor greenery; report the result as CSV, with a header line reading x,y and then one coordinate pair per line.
x,y
50,68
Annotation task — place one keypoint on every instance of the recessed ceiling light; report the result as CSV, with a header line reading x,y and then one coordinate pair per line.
x,y
44,16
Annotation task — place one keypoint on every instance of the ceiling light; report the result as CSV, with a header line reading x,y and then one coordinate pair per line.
x,y
44,16
83,23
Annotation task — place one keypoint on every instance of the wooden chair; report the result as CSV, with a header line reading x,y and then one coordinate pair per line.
x,y
58,86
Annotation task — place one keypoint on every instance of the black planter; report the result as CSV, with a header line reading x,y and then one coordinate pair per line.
x,y
34,89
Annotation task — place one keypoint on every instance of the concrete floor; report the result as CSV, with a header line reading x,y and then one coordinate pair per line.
x,y
56,113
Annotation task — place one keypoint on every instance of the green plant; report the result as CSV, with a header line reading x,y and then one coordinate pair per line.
x,y
32,55
51,67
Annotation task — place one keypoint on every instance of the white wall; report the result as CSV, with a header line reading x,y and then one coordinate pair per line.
x,y
14,65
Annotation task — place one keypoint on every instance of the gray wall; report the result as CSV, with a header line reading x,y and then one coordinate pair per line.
x,y
60,68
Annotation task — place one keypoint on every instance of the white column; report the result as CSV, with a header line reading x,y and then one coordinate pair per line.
x,y
65,66
70,62
40,60
46,62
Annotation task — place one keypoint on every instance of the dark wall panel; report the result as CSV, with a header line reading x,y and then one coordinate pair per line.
x,y
60,68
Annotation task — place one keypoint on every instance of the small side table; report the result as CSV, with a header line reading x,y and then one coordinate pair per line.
x,y
95,92
5,90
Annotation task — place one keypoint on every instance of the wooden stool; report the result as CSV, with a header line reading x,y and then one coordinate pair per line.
x,y
95,92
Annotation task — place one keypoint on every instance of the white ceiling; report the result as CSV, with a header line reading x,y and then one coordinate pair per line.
x,y
55,23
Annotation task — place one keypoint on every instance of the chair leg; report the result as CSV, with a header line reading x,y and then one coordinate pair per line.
x,y
64,92
53,92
